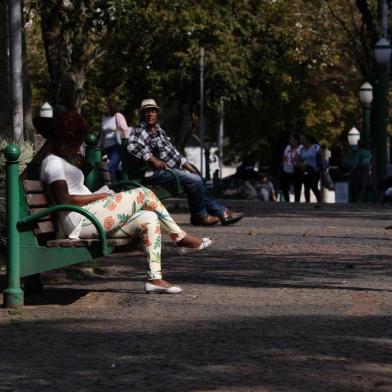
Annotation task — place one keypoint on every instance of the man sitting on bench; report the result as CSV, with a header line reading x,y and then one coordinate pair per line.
x,y
150,143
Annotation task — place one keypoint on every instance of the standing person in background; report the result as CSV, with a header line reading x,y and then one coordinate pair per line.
x,y
290,171
310,163
359,173
114,127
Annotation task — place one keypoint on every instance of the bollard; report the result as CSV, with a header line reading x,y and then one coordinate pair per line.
x,y
13,294
92,178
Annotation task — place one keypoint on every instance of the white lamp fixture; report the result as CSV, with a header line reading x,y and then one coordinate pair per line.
x,y
353,136
46,110
382,52
366,94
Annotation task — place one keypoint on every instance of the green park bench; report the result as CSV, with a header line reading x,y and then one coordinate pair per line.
x,y
31,226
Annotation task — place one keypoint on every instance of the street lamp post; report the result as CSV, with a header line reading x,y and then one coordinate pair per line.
x,y
382,56
353,137
207,149
221,134
366,98
16,67
201,123
46,110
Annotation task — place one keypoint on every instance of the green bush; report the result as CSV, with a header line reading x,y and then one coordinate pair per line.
x,y
26,154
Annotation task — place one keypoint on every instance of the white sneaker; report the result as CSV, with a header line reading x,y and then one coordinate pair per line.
x,y
153,288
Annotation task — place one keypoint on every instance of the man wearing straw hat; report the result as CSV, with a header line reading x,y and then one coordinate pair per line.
x,y
150,143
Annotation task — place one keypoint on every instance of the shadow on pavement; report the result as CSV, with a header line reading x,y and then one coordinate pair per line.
x,y
276,353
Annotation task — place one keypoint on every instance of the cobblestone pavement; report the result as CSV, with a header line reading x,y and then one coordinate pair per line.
x,y
294,298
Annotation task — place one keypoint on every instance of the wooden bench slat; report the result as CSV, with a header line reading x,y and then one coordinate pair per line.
x,y
66,242
37,200
106,178
102,166
36,210
33,186
44,228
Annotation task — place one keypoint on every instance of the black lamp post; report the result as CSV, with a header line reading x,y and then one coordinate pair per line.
x,y
382,56
366,98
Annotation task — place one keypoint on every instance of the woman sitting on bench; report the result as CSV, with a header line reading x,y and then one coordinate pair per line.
x,y
133,213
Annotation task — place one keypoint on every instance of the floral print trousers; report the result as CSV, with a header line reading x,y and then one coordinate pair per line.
x,y
134,213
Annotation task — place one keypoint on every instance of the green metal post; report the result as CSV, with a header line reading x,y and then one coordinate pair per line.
x,y
13,294
366,123
91,142
92,179
380,123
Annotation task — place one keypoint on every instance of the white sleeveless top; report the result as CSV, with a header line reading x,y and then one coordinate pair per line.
x,y
289,157
54,168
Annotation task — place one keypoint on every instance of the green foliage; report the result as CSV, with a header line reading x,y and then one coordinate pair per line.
x,y
281,68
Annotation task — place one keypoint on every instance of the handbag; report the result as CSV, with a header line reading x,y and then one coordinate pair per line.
x,y
326,181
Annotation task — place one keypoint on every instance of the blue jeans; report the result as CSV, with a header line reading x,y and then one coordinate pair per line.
x,y
200,202
113,154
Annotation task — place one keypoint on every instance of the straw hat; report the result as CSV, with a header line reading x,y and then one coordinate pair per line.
x,y
148,104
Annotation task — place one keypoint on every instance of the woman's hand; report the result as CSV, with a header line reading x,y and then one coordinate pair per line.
x,y
61,195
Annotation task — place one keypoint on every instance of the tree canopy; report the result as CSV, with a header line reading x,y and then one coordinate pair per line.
x,y
282,66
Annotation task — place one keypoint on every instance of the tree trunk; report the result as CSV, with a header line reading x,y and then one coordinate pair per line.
x,y
5,95
65,34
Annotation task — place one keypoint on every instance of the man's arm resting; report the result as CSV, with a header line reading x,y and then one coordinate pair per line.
x,y
190,168
156,163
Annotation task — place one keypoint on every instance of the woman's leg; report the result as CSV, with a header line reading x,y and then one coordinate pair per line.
x,y
297,183
306,182
314,180
115,211
285,185
145,224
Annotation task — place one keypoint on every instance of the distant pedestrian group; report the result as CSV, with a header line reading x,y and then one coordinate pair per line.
x,y
303,163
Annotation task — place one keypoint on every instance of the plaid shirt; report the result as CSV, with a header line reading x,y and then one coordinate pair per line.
x,y
143,144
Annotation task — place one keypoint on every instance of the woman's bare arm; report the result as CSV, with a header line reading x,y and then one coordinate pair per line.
x,y
60,192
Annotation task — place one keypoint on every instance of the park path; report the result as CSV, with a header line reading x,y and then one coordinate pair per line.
x,y
293,298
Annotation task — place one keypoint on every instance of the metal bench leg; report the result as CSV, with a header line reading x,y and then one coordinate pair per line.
x,y
13,294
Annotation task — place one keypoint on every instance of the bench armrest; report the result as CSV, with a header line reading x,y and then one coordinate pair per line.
x,y
62,207
125,184
177,181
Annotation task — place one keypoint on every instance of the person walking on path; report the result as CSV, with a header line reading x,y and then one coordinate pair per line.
x,y
290,171
150,143
133,213
310,162
114,127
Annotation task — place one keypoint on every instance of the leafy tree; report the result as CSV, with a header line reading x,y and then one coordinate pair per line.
x,y
281,68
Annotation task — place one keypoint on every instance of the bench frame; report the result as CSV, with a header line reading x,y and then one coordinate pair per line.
x,y
25,256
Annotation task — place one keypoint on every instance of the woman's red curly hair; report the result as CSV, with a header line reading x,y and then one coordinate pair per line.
x,y
69,128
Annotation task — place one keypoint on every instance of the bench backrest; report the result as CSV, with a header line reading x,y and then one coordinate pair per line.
x,y
37,200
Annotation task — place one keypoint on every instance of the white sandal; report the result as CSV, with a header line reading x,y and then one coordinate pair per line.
x,y
150,288
205,243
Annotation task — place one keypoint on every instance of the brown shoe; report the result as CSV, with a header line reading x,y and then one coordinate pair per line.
x,y
208,220
230,217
